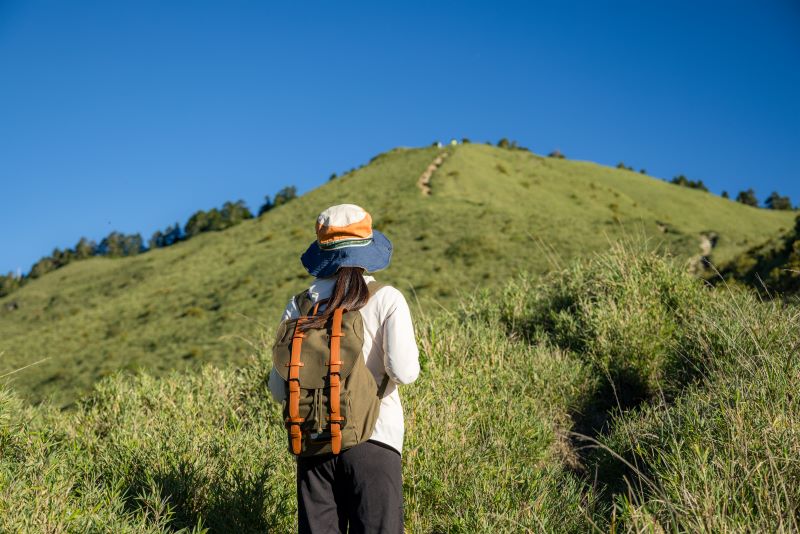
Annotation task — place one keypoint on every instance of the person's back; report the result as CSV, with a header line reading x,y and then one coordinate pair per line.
x,y
361,487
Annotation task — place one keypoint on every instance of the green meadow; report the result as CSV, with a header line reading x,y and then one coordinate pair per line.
x,y
619,394
492,213
576,376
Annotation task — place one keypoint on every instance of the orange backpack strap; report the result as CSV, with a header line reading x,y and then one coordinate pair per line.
x,y
294,419
334,413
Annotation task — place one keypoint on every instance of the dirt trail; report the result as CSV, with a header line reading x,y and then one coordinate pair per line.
x,y
425,178
700,262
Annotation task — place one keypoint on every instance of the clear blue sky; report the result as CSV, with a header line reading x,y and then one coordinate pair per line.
x,y
132,115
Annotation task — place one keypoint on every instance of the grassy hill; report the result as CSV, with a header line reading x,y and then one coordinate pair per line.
x,y
773,267
491,213
690,393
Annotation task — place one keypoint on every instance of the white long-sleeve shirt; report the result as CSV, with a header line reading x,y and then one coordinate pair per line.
x,y
389,348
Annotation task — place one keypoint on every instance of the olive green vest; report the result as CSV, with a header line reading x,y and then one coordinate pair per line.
x,y
315,421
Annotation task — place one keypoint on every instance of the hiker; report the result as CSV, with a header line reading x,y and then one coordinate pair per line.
x,y
342,348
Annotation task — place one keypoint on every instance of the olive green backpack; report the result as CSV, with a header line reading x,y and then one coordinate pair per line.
x,y
332,400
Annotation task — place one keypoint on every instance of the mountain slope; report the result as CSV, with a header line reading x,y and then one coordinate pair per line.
x,y
491,213
772,267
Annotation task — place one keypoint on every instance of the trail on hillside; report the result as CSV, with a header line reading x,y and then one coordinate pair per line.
x,y
700,262
425,178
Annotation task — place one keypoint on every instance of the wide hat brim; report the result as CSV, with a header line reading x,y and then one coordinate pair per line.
x,y
373,257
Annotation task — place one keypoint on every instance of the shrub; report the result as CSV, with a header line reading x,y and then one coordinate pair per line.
x,y
285,195
747,198
622,312
692,184
214,220
778,202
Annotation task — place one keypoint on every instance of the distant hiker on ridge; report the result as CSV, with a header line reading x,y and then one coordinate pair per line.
x,y
341,350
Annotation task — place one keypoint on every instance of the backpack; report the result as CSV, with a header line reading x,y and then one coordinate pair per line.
x,y
332,399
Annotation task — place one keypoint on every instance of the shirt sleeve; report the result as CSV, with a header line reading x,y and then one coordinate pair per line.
x,y
400,354
276,384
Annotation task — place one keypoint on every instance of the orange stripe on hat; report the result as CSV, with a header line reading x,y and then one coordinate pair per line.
x,y
338,225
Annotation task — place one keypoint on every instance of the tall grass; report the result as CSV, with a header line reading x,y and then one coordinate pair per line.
x,y
725,455
689,395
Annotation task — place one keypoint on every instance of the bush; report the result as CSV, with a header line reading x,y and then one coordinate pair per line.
x,y
778,202
623,313
747,198
692,184
214,220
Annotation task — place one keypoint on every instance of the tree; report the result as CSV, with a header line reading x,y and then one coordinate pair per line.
x,y
214,220
725,194
85,249
503,143
167,238
200,221
156,240
134,244
172,235
691,184
9,283
285,195
117,245
330,178
778,202
747,198
42,267
233,213
266,206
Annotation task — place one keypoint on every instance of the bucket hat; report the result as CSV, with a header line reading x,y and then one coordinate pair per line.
x,y
345,238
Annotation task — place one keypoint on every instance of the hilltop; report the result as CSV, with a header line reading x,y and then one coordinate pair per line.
x,y
489,214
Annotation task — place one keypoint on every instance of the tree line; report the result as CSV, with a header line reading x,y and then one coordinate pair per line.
x,y
775,201
118,244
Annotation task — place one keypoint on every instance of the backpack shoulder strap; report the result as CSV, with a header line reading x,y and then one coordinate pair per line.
x,y
305,305
303,302
374,286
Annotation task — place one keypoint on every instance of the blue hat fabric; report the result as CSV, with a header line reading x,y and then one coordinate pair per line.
x,y
345,238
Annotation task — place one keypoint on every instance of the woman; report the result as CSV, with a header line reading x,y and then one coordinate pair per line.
x,y
361,487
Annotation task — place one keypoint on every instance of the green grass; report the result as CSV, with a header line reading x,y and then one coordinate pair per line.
x,y
690,392
773,267
492,213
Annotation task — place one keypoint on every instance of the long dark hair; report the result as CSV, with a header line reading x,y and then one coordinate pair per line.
x,y
350,293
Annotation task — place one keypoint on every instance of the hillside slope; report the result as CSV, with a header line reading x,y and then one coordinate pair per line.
x,y
689,386
491,213
773,268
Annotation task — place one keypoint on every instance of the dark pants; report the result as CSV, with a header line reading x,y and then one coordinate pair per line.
x,y
361,487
